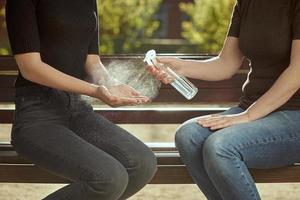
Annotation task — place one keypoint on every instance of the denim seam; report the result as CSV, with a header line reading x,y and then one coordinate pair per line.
x,y
241,147
244,177
253,144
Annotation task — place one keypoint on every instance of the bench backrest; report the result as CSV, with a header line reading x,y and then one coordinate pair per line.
x,y
220,91
210,93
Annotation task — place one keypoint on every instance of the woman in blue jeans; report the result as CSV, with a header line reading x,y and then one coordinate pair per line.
x,y
263,131
55,44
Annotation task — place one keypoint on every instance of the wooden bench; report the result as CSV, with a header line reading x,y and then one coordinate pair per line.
x,y
213,97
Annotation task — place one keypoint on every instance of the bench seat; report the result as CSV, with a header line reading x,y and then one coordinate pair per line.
x,y
171,170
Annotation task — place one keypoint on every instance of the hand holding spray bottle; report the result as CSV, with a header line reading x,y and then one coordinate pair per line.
x,y
180,83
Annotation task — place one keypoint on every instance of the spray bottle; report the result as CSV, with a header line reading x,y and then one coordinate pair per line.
x,y
180,83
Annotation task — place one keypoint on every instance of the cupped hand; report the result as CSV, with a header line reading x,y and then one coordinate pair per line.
x,y
119,95
160,74
217,121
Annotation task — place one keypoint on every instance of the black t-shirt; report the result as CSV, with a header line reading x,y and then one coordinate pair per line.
x,y
266,29
62,31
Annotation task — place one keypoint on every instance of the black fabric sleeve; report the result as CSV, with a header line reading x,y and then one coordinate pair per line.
x,y
296,22
22,26
94,44
234,28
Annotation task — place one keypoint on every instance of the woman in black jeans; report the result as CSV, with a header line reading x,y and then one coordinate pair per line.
x,y
55,43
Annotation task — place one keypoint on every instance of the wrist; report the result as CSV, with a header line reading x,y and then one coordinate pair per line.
x,y
180,67
250,116
92,91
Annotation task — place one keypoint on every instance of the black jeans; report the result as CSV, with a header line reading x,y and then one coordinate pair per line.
x,y
59,132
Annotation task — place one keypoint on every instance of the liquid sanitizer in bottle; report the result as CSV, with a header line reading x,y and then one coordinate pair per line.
x,y
180,83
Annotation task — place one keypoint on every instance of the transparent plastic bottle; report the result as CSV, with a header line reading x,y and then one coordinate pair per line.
x,y
180,83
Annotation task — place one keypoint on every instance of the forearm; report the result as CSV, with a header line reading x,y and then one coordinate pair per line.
x,y
282,90
46,75
218,68
97,72
214,69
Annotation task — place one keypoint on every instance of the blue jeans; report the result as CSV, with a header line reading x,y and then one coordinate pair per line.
x,y
60,133
218,161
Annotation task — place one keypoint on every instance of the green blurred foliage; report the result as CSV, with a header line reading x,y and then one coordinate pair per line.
x,y
2,14
4,46
208,24
4,51
125,23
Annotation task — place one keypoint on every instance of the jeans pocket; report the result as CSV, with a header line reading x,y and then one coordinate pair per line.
x,y
30,106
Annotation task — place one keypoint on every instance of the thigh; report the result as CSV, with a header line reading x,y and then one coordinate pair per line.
x,y
111,138
191,131
60,151
273,141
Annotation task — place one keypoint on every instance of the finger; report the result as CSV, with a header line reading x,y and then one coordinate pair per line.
x,y
164,77
139,100
143,99
214,120
152,70
220,126
213,123
161,75
215,128
225,124
134,100
128,91
167,80
207,118
134,92
119,101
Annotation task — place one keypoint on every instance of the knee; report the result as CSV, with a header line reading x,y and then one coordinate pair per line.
x,y
109,184
218,147
144,164
190,135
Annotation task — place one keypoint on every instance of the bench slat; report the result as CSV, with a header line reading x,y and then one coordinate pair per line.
x,y
136,116
33,174
164,175
170,169
155,146
163,159
166,154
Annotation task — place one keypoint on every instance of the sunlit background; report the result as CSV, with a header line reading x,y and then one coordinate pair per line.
x,y
171,26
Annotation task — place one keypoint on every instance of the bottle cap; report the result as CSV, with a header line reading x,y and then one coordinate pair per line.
x,y
150,57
